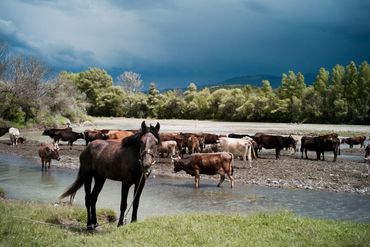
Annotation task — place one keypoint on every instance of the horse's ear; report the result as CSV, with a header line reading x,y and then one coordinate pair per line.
x,y
157,126
143,127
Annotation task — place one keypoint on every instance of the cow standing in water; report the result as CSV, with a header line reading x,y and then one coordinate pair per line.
x,y
209,164
47,152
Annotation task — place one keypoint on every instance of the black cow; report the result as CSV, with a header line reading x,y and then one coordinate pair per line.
x,y
52,132
67,136
274,142
239,136
320,144
4,130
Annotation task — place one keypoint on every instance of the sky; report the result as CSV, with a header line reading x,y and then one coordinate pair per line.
x,y
175,42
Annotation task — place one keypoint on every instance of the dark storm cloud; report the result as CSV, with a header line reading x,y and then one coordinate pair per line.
x,y
182,41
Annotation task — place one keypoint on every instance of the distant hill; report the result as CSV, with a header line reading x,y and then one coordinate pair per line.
x,y
253,80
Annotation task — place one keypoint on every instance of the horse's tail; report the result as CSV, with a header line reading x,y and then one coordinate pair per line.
x,y
71,191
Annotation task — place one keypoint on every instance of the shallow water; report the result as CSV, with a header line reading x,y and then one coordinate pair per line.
x,y
23,179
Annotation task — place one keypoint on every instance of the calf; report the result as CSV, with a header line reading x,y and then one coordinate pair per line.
x,y
14,135
67,136
193,144
238,147
209,164
168,147
355,140
47,152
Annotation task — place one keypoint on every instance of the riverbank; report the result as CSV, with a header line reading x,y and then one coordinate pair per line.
x,y
347,174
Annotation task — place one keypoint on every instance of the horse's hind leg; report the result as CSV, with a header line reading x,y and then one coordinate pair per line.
x,y
87,186
99,182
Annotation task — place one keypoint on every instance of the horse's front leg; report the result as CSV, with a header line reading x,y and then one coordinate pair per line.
x,y
124,194
137,194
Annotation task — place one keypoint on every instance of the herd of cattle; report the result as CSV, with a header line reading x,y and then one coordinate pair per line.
x,y
209,153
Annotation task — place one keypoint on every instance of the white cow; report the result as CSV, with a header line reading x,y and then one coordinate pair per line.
x,y
168,147
14,135
238,147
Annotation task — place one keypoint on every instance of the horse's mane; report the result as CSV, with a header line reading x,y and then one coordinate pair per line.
x,y
134,140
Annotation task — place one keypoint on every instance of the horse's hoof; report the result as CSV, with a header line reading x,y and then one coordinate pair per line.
x,y
90,228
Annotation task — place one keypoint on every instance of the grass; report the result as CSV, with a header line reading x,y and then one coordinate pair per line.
x,y
36,224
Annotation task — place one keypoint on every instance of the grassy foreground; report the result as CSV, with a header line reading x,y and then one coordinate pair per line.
x,y
35,224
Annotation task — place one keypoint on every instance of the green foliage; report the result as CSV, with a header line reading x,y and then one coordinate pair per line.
x,y
339,96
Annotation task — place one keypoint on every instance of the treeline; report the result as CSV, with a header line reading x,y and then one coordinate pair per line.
x,y
341,95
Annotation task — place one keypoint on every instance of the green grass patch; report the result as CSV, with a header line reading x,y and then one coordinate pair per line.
x,y
35,224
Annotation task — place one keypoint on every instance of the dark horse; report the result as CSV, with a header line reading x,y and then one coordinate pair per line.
x,y
128,161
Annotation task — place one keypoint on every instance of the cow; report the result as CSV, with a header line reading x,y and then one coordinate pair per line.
x,y
209,164
320,144
238,136
47,152
119,134
173,136
92,135
367,157
238,147
193,144
188,144
51,132
13,135
211,138
168,147
274,142
4,130
67,136
355,140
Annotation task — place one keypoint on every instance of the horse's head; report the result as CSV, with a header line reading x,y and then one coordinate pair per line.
x,y
149,142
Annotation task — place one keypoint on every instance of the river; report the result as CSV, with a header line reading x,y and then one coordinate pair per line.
x,y
22,179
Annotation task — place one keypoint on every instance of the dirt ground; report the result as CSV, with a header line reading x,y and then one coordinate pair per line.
x,y
290,171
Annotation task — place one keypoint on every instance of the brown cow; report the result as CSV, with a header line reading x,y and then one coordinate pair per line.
x,y
193,144
47,152
92,135
355,140
119,134
209,164
274,142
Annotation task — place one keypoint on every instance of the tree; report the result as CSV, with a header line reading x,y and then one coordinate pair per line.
x,y
130,81
23,78
153,100
93,82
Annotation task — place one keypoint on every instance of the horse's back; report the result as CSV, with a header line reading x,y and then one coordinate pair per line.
x,y
105,158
